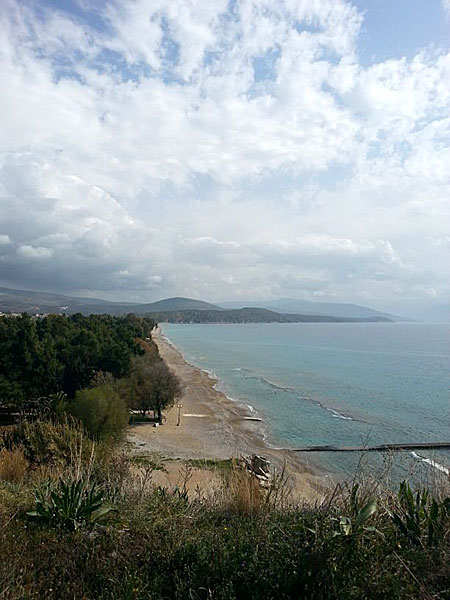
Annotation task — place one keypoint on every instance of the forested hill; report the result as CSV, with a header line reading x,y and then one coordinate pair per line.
x,y
250,315
23,301
40,357
186,310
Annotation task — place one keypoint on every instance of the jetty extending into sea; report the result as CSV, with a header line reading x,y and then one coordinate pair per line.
x,y
379,448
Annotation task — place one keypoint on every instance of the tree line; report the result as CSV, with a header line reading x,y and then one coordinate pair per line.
x,y
250,315
95,368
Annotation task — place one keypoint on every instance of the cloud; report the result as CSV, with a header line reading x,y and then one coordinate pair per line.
x,y
34,253
446,7
219,150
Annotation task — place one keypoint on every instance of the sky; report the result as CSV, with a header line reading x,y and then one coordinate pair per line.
x,y
227,150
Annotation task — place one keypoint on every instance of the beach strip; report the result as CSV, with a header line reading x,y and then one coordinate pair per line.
x,y
212,426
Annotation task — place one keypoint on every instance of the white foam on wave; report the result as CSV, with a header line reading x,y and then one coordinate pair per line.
x,y
210,374
167,340
431,462
337,415
220,386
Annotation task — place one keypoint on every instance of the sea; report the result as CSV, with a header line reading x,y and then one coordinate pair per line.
x,y
343,384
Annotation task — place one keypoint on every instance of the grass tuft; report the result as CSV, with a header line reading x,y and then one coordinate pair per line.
x,y
13,465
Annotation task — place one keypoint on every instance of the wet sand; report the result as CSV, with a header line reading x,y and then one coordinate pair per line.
x,y
214,427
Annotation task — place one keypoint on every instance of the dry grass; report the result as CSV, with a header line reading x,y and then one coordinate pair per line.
x,y
242,493
13,465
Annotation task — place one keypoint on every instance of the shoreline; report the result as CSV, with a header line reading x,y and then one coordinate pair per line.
x,y
216,427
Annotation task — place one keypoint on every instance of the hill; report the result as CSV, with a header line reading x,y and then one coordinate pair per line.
x,y
250,315
305,307
32,302
189,310
170,304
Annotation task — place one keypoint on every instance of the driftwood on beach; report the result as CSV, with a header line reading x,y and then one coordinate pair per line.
x,y
379,448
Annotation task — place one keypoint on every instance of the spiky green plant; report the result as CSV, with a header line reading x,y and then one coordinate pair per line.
x,y
69,505
421,516
357,526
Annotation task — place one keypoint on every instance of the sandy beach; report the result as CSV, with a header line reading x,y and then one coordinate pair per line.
x,y
214,427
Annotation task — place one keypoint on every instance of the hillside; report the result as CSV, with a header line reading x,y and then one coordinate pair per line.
x,y
305,307
249,315
189,310
33,302
170,304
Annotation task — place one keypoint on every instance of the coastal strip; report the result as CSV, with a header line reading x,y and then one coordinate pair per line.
x,y
214,427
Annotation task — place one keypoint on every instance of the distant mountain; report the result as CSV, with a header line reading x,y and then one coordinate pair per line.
x,y
250,315
188,310
305,307
18,301
170,304
31,301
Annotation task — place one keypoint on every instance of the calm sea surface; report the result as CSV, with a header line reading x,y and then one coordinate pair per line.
x,y
343,384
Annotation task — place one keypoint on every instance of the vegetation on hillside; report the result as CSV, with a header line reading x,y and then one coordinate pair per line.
x,y
95,369
249,315
43,356
19,301
90,524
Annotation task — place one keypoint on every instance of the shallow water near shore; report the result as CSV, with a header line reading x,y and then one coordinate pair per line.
x,y
345,384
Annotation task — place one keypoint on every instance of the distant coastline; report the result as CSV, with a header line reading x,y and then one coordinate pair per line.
x,y
190,310
252,315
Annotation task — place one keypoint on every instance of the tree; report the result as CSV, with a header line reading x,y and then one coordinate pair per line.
x,y
101,410
11,394
152,386
166,387
40,357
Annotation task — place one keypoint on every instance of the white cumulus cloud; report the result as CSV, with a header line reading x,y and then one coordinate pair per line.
x,y
220,150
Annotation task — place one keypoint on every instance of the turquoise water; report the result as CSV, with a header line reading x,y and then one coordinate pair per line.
x,y
342,384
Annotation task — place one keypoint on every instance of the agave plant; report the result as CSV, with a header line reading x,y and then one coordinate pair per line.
x,y
354,526
70,505
421,516
357,526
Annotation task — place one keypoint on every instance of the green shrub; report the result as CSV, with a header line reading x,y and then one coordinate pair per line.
x,y
69,505
101,411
